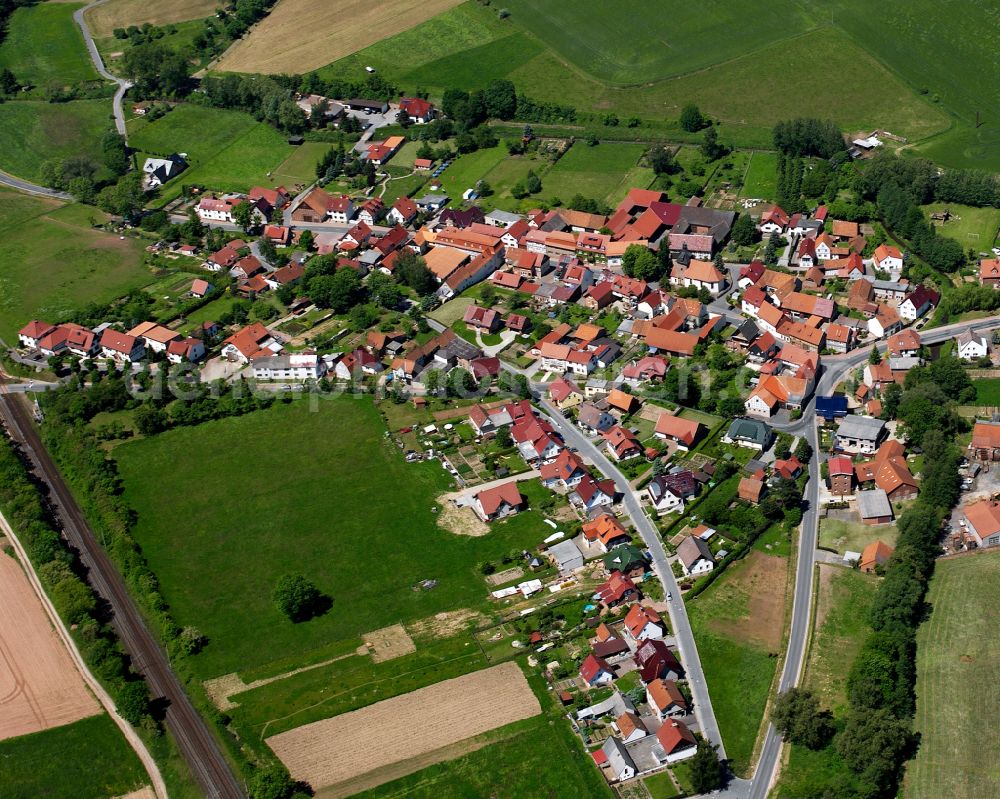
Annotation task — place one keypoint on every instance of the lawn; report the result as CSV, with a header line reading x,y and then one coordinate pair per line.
x,y
538,757
33,132
319,493
300,166
88,759
987,391
52,262
605,172
844,596
660,786
974,228
762,177
953,648
44,47
467,169
840,536
410,186
738,623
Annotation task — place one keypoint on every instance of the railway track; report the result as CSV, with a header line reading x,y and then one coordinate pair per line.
x,y
195,742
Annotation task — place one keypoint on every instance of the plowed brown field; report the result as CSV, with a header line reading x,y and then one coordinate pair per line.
x,y
347,746
40,687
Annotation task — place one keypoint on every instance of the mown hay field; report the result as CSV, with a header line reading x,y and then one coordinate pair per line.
x,y
307,34
103,19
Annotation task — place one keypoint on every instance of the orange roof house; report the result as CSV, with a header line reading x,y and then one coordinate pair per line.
x,y
676,428
874,555
606,531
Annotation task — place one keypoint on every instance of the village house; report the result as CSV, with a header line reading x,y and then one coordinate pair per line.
x,y
875,556
630,727
917,303
498,502
665,699
684,432
694,556
989,272
594,418
889,471
971,346
676,741
564,471
751,489
841,474
153,336
565,394
888,258
484,319
859,434
615,758
252,341
699,275
749,433
643,623
656,661
617,590
669,492
627,559
605,532
591,494
595,671
121,347
982,522
622,443
296,366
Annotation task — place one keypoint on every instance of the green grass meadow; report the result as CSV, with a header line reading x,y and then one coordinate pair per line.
x,y
87,759
974,228
954,647
840,536
761,181
43,46
605,172
226,150
32,132
739,672
533,758
52,262
632,42
320,493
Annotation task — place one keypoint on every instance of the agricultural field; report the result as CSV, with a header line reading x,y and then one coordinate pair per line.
x,y
53,262
381,523
953,647
501,696
973,228
44,47
739,624
43,687
536,757
840,536
88,759
310,34
633,42
468,46
33,132
226,150
103,19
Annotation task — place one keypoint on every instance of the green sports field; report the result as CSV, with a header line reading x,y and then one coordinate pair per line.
x,y
53,262
33,132
43,46
973,228
227,507
88,759
954,646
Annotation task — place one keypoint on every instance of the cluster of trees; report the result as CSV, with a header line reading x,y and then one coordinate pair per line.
x,y
642,263
692,119
373,85
531,184
968,297
62,574
530,110
925,182
806,136
339,161
269,99
926,400
341,289
82,175
905,219
157,70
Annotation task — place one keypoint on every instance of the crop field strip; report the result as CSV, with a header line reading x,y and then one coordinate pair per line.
x,y
341,748
103,19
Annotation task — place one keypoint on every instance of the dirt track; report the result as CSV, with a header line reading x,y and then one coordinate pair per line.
x,y
348,746
40,687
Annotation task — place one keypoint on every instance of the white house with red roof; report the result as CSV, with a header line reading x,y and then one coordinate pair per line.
x,y
643,623
417,109
33,332
252,341
498,502
403,211
888,258
185,350
596,671
773,220
121,347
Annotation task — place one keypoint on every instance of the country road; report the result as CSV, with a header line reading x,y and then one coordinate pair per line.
x,y
95,56
194,740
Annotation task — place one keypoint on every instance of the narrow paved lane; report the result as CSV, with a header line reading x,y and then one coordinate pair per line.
x,y
95,56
